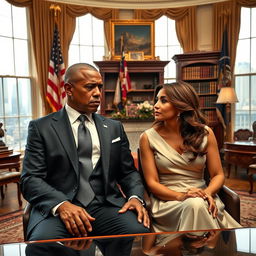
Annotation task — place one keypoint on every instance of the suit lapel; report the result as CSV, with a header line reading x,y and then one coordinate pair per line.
x,y
104,137
63,129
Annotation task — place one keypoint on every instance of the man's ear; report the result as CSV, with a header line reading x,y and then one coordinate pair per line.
x,y
68,89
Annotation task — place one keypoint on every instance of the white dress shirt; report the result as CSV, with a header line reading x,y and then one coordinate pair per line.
x,y
73,115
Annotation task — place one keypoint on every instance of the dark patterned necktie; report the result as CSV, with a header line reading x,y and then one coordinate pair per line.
x,y
85,193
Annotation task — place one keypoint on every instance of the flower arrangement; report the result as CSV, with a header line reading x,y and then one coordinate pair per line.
x,y
135,111
145,110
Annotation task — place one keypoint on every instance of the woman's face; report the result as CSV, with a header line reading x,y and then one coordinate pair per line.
x,y
163,108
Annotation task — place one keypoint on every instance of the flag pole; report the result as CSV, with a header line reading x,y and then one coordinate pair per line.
x,y
55,92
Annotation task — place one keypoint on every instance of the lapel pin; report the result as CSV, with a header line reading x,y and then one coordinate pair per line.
x,y
105,126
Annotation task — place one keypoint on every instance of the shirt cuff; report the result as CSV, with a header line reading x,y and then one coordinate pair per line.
x,y
54,209
134,196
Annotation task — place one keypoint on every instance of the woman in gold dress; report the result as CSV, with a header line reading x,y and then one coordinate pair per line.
x,y
174,153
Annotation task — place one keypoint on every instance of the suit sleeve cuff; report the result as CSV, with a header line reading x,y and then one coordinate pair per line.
x,y
54,209
134,196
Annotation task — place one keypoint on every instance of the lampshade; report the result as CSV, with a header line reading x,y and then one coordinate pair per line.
x,y
227,95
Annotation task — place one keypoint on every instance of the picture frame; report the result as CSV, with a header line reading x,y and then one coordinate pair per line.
x,y
132,36
136,55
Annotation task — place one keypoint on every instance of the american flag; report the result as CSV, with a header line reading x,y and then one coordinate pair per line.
x,y
123,85
56,94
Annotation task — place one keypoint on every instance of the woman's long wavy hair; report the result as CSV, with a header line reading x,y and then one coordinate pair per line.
x,y
192,129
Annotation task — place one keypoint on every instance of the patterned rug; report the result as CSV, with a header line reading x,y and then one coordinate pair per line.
x,y
247,208
11,229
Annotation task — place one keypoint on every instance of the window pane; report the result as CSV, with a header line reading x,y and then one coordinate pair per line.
x,y
253,100
253,56
73,54
86,54
85,26
253,21
21,57
24,121
24,92
89,39
1,98
19,22
242,107
5,19
245,23
98,32
12,133
6,53
161,52
98,53
10,97
243,57
161,31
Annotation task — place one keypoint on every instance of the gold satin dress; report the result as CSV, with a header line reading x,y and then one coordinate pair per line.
x,y
176,172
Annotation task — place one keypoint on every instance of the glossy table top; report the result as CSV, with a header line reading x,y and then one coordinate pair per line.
x,y
215,242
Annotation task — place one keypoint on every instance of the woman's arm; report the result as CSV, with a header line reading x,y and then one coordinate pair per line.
x,y
214,166
151,175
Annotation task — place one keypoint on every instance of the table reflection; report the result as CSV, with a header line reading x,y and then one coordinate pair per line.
x,y
86,247
236,242
213,242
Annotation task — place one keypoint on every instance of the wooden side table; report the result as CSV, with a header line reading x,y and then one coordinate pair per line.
x,y
11,161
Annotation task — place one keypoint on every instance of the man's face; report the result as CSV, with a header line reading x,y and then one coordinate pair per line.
x,y
84,90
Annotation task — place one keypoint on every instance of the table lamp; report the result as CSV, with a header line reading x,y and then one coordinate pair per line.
x,y
227,96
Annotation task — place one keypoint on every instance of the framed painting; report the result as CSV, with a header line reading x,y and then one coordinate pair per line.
x,y
133,36
136,55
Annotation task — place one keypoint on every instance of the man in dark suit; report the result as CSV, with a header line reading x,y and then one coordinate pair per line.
x,y
75,163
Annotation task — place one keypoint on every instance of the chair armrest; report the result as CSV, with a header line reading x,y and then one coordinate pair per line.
x,y
232,202
25,218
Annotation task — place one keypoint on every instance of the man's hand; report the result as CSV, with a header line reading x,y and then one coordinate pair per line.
x,y
76,219
135,204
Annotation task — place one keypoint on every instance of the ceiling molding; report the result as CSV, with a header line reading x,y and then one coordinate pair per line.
x,y
139,4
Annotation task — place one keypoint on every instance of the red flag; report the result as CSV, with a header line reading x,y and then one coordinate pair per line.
x,y
56,94
124,79
123,85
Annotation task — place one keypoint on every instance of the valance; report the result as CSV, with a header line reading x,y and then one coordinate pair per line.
x,y
139,4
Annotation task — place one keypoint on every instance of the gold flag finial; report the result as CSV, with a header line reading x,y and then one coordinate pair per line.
x,y
56,8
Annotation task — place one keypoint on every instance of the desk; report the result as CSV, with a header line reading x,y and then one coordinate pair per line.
x,y
233,242
239,153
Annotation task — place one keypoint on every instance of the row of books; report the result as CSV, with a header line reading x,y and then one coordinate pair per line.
x,y
208,101
199,72
205,87
211,115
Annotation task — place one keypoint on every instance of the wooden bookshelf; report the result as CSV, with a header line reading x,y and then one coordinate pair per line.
x,y
144,76
200,69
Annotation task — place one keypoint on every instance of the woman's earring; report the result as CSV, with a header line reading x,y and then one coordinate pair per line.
x,y
178,116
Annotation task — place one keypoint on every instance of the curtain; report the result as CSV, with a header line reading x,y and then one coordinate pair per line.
x,y
41,24
185,21
228,14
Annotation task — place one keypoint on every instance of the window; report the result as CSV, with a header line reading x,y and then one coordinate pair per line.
x,y
167,45
87,44
15,82
245,71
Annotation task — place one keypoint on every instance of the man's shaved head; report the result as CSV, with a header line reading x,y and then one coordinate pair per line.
x,y
71,72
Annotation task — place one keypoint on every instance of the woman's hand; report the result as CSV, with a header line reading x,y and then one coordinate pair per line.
x,y
197,192
212,206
